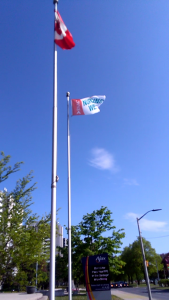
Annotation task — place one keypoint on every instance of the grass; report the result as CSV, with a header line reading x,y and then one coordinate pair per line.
x,y
161,288
76,297
141,285
151,285
115,298
83,297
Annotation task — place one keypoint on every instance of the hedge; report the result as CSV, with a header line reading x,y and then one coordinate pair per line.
x,y
163,282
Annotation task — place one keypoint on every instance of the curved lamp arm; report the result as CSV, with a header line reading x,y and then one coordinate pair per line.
x,y
149,211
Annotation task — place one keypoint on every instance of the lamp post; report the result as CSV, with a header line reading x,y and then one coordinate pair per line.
x,y
143,253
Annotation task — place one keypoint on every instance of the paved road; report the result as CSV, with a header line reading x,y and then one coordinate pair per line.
x,y
156,294
141,293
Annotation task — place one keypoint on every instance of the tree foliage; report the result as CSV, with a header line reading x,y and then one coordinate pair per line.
x,y
24,237
95,234
133,258
6,170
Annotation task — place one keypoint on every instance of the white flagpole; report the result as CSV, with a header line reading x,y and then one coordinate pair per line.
x,y
55,178
69,207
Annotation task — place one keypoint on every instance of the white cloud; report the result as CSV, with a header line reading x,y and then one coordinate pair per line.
x,y
130,181
147,225
103,160
131,216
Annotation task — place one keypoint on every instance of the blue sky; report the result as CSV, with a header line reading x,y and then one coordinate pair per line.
x,y
119,157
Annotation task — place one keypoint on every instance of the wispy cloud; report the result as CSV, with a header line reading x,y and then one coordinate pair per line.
x,y
147,225
130,181
103,160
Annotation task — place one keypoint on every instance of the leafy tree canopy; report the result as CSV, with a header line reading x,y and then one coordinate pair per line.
x,y
24,237
95,234
133,258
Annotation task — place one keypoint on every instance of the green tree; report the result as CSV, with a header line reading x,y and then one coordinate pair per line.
x,y
24,237
94,235
62,266
132,256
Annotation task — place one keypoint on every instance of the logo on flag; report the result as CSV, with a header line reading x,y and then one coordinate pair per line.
x,y
87,106
63,37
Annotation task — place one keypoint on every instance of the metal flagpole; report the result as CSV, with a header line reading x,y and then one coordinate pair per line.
x,y
55,178
69,207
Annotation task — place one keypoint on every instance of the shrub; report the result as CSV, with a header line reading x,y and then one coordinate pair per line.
x,y
163,282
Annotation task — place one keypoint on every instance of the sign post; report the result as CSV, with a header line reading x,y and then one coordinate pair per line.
x,y
97,278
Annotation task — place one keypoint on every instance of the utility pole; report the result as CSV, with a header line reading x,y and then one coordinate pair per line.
x,y
144,263
142,249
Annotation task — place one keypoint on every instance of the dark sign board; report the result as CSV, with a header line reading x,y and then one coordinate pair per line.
x,y
96,271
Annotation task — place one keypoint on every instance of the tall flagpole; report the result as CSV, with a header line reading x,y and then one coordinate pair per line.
x,y
55,178
69,207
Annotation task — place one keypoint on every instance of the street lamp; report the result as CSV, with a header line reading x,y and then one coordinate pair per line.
x,y
143,253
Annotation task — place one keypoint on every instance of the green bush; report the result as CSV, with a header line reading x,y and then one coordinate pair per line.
x,y
163,282
133,285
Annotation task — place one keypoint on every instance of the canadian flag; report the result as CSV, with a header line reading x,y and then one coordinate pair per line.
x,y
63,37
